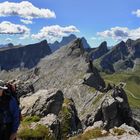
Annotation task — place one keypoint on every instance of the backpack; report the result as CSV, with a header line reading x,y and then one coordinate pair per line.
x,y
11,91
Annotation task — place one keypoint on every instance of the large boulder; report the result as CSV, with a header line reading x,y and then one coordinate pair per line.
x,y
92,78
70,123
42,103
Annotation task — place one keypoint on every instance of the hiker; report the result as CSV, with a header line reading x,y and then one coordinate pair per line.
x,y
9,114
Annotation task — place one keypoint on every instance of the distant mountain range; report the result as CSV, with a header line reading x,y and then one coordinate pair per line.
x,y
65,40
28,56
123,56
6,45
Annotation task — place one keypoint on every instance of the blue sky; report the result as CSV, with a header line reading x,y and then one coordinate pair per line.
x,y
96,20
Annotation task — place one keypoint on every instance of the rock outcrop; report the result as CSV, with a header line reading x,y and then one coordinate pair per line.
x,y
42,103
52,121
124,132
114,110
56,113
70,123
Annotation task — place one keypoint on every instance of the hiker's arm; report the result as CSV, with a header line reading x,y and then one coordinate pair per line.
x,y
15,113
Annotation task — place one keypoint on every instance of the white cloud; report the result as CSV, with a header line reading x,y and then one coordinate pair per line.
x,y
120,33
25,36
9,28
8,39
93,38
137,13
54,32
26,21
25,10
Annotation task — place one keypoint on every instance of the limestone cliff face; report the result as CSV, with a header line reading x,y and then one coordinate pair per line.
x,y
67,70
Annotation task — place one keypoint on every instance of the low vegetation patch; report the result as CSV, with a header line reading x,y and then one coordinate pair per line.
x,y
132,80
118,131
30,119
97,99
41,132
91,134
65,117
92,90
38,132
67,101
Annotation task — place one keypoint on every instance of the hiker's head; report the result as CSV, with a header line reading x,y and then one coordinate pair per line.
x,y
2,87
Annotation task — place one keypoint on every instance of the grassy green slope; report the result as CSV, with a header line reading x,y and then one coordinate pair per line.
x,y
132,88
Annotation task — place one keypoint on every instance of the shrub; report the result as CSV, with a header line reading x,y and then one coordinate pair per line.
x,y
30,119
65,117
91,134
41,132
118,131
97,99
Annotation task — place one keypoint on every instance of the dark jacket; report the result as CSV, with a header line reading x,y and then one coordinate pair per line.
x,y
11,114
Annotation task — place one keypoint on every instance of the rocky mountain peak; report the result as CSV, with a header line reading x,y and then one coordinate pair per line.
x,y
65,40
129,42
71,36
43,43
76,48
121,44
103,45
10,45
98,52
69,64
85,43
121,48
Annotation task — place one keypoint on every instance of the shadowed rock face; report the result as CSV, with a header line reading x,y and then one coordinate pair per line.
x,y
119,52
100,51
27,56
93,75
